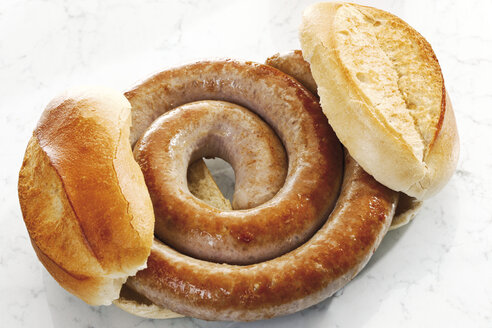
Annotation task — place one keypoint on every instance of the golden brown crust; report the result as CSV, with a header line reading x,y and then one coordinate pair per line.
x,y
83,197
42,212
398,148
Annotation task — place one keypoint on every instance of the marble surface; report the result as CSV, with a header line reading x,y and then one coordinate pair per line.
x,y
434,272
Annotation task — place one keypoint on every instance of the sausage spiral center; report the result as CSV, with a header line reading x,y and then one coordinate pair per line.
x,y
270,229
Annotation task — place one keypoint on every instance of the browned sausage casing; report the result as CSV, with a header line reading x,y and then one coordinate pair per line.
x,y
290,283
251,235
297,279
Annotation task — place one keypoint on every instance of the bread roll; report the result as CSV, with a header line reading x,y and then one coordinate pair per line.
x,y
202,185
83,197
136,304
382,89
405,211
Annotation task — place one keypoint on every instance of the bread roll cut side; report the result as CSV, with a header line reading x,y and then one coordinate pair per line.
x,y
83,197
382,90
203,186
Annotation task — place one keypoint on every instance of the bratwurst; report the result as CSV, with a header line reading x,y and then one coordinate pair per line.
x,y
298,271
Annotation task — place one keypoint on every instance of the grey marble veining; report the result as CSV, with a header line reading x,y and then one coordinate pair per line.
x,y
434,272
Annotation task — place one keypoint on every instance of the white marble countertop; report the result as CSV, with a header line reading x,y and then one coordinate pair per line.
x,y
436,272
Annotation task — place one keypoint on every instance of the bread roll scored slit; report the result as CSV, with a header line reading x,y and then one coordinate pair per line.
x,y
382,89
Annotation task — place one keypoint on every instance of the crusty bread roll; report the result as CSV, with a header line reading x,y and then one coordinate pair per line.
x,y
90,221
80,252
202,185
382,89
